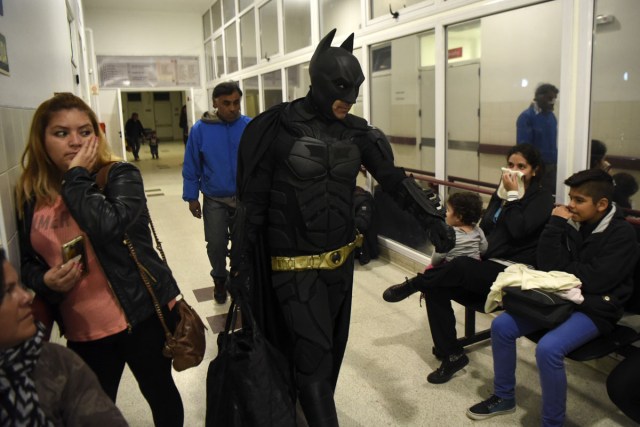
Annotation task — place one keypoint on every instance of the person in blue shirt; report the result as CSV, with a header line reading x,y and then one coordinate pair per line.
x,y
537,125
210,164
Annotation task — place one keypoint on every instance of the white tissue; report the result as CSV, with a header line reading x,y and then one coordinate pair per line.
x,y
502,193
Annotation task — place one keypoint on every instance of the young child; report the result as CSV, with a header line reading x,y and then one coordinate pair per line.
x,y
153,145
463,212
464,209
590,239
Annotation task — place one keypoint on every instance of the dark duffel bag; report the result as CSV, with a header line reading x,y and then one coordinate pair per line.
x,y
544,308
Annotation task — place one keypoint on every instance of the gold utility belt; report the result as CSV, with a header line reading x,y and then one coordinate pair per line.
x,y
324,261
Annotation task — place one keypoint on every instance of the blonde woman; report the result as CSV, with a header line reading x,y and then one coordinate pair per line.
x,y
101,303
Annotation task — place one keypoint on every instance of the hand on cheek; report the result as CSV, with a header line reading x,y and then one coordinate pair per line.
x,y
87,155
561,211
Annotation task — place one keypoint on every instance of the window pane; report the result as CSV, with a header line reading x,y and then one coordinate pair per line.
x,y
219,56
208,58
341,14
381,7
206,25
229,9
268,23
395,102
248,39
251,96
381,58
297,25
615,97
488,87
245,4
272,87
298,81
358,108
216,15
231,48
427,102
394,99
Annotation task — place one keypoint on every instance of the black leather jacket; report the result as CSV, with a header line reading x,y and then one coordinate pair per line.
x,y
105,217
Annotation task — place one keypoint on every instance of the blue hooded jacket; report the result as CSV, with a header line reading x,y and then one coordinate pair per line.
x,y
211,157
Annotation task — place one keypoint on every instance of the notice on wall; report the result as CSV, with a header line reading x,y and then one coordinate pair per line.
x,y
164,72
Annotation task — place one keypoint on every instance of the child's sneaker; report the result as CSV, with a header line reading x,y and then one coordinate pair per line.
x,y
492,406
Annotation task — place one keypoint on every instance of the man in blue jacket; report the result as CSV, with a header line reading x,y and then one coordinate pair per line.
x,y
537,125
210,163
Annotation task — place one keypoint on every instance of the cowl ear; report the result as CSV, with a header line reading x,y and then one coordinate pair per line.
x,y
325,43
348,44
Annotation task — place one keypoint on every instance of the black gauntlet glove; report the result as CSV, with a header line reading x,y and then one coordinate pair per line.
x,y
425,205
442,235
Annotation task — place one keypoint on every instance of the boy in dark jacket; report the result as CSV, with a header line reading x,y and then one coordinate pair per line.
x,y
590,239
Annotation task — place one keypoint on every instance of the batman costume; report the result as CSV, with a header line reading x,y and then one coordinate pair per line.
x,y
294,233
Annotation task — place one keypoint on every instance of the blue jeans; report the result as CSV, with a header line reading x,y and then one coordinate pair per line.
x,y
217,221
550,353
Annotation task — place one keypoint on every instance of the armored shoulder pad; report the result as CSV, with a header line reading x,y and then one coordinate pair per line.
x,y
380,139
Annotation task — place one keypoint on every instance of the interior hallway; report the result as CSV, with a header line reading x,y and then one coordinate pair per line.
x,y
383,377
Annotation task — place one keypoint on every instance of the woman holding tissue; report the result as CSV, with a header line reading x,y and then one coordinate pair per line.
x,y
514,219
73,256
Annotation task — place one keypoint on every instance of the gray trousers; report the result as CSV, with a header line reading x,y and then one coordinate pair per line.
x,y
217,214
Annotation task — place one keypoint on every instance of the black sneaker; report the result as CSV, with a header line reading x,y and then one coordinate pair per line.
x,y
492,406
220,291
399,292
450,365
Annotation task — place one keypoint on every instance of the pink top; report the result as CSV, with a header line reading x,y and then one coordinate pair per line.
x,y
90,310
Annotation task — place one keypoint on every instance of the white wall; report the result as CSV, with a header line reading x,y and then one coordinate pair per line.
x,y
39,50
38,47
144,33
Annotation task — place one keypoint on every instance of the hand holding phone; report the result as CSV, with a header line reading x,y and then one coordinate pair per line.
x,y
75,251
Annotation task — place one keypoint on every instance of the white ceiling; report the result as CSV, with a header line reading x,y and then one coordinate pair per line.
x,y
198,6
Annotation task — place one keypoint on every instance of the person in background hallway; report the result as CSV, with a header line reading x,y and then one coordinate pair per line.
x,y
599,156
513,221
43,384
134,132
537,125
623,383
590,239
210,163
625,187
297,170
184,124
153,144
104,308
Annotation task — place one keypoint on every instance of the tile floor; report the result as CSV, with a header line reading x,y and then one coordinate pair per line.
x,y
383,377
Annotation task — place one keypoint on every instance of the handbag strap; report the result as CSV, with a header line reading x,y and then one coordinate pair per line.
x,y
238,306
144,275
102,177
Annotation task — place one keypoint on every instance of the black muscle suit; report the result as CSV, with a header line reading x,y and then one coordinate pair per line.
x,y
298,165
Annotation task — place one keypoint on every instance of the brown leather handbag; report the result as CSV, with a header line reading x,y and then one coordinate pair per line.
x,y
187,344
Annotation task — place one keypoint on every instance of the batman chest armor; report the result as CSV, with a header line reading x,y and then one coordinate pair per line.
x,y
311,198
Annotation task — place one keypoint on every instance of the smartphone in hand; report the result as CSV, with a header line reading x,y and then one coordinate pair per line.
x,y
75,250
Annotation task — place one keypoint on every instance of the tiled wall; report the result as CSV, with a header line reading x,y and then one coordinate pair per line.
x,y
14,128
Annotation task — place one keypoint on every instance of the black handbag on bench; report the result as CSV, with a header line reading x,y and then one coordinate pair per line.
x,y
545,308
